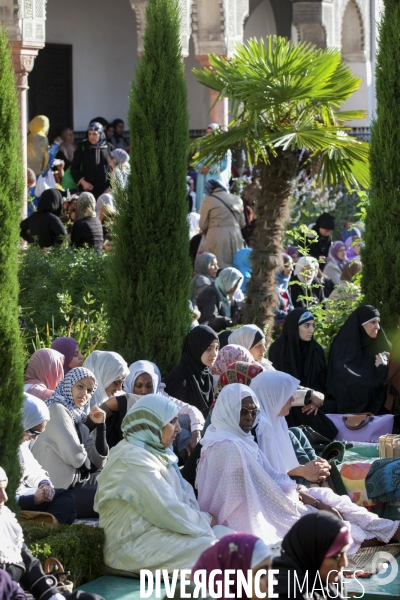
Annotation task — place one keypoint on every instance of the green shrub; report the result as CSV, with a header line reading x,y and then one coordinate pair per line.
x,y
62,292
79,548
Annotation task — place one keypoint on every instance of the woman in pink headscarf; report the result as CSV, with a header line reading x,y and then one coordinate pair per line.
x,y
228,355
70,349
44,372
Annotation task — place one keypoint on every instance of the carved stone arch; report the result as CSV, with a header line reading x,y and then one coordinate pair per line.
x,y
353,32
208,27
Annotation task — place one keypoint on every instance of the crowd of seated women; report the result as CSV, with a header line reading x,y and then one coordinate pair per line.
x,y
172,467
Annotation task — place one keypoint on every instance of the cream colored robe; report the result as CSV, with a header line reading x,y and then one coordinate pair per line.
x,y
224,237
148,520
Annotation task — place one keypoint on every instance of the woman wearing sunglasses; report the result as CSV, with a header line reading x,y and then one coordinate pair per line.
x,y
35,491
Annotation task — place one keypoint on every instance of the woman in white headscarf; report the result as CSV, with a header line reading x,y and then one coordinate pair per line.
x,y
253,339
216,302
35,491
110,370
304,282
275,391
149,514
237,484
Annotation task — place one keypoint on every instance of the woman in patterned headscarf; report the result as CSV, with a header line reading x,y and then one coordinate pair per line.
x,y
87,228
90,166
66,449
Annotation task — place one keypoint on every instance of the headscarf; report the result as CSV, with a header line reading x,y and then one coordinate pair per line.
x,y
301,359
66,147
308,542
66,346
107,367
39,125
351,255
63,393
224,338
350,231
239,372
85,206
326,221
213,126
214,184
321,244
226,280
11,535
353,380
143,426
50,201
44,371
247,336
333,255
350,270
37,144
98,128
225,419
228,355
191,375
120,158
291,251
273,389
203,263
138,368
34,412
237,552
311,264
241,262
282,280
105,200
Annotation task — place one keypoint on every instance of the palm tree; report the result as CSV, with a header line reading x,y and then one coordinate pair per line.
x,y
283,99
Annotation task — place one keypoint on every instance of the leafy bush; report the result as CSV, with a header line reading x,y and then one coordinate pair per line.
x,y
62,293
79,548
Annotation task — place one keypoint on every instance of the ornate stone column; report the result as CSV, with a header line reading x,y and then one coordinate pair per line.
x,y
308,21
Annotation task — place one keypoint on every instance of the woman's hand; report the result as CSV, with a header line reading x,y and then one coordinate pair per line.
x,y
97,415
316,470
44,493
86,185
310,409
194,440
380,360
328,508
317,399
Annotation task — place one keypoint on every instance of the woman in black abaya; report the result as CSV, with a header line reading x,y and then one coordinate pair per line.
x,y
357,365
297,353
191,381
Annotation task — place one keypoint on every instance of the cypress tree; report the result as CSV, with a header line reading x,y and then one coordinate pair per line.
x,y
11,193
381,254
150,268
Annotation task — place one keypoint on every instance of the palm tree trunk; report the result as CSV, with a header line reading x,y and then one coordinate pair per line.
x,y
272,211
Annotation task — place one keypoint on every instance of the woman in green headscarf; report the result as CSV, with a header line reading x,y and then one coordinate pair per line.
x,y
149,513
216,303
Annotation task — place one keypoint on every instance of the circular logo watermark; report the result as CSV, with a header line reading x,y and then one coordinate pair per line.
x,y
382,561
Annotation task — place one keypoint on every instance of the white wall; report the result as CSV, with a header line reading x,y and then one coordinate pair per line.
x,y
104,40
261,22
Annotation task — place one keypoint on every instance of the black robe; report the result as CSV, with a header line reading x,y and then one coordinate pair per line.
x,y
354,382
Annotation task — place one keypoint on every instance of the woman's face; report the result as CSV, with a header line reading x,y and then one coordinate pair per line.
x,y
93,137
169,433
357,248
143,385
248,414
109,132
295,257
69,136
34,432
331,567
258,350
308,272
82,391
341,253
77,359
209,357
286,408
372,327
306,331
233,290
213,268
115,386
263,585
119,129
325,232
288,269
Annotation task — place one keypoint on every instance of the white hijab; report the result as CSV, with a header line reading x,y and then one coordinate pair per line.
x,y
138,368
310,263
34,412
244,336
225,419
106,367
273,389
11,536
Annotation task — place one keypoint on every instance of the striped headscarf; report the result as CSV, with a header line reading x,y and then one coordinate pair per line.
x,y
63,392
143,426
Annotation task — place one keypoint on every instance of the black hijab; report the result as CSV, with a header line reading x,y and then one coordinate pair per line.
x,y
353,380
303,360
191,381
224,338
50,201
323,243
304,549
